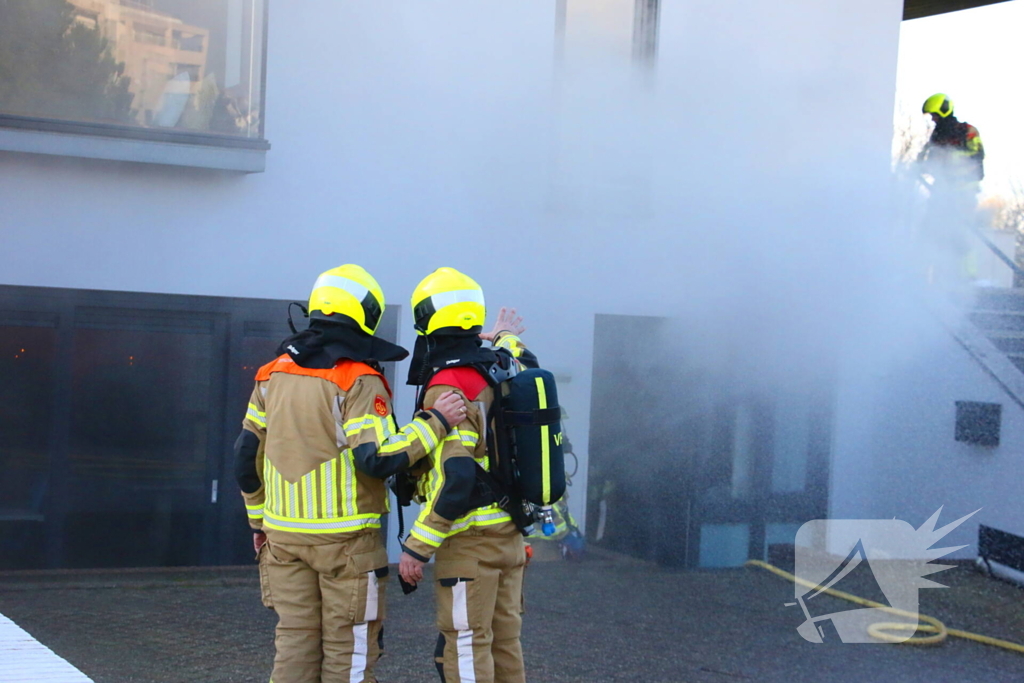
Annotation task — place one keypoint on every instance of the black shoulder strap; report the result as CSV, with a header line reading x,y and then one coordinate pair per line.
x,y
502,370
500,480
504,499
421,390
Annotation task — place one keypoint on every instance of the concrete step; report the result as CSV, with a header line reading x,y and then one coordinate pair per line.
x,y
999,299
999,314
1007,342
1017,359
998,321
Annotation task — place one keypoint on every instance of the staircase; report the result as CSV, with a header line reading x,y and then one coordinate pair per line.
x,y
999,314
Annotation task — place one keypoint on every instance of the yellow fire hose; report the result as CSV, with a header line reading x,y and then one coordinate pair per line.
x,y
883,630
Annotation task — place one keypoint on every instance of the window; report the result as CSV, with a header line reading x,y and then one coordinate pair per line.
x,y
189,43
88,20
191,70
188,71
150,36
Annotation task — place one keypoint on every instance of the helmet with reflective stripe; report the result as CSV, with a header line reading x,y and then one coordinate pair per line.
x,y
447,298
938,104
347,291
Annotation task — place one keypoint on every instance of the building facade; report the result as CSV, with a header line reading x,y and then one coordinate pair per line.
x,y
687,201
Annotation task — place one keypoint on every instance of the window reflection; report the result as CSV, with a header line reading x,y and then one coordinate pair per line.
x,y
188,65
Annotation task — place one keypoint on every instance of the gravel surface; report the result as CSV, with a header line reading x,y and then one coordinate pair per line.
x,y
606,619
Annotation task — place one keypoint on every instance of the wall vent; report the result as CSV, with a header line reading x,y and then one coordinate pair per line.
x,y
978,423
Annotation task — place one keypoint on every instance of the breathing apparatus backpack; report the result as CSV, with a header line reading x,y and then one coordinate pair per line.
x,y
524,441
526,472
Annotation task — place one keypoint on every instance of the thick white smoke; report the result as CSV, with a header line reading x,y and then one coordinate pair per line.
x,y
740,186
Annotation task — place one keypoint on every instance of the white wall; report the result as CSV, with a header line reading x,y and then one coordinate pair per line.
x,y
411,135
894,452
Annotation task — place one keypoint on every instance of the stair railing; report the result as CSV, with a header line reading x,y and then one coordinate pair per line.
x,y
1018,272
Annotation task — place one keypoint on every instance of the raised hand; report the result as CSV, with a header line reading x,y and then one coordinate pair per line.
x,y
508,321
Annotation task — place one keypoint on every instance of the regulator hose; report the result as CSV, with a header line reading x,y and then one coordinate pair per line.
x,y
883,630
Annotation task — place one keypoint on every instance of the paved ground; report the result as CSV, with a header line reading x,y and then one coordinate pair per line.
x,y
602,620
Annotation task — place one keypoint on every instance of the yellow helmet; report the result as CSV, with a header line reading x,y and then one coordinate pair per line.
x,y
938,104
447,298
349,291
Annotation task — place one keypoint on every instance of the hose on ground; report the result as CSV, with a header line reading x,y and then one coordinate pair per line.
x,y
884,630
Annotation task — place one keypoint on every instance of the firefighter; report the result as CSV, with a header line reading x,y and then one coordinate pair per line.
x,y
567,538
317,441
954,150
954,157
480,553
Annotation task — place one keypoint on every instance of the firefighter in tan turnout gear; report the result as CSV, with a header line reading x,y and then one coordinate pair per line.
x,y
480,554
317,441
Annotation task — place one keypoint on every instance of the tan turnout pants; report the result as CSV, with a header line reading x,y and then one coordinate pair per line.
x,y
330,605
479,608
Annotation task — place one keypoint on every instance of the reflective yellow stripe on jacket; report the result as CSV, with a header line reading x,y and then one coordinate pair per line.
x,y
254,512
323,501
485,516
257,416
389,440
431,485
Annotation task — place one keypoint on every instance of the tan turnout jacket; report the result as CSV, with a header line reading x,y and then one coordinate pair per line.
x,y
328,439
445,489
